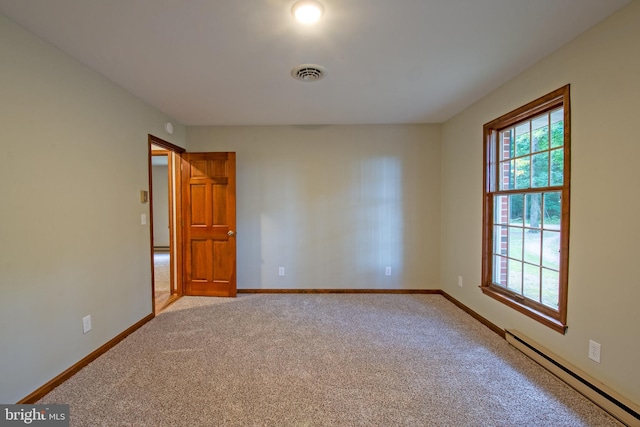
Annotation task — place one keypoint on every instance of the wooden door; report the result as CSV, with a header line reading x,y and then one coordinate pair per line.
x,y
209,215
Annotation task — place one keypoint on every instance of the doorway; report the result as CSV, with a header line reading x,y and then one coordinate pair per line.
x,y
163,199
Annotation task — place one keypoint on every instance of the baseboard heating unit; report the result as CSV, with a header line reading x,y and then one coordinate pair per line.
x,y
617,405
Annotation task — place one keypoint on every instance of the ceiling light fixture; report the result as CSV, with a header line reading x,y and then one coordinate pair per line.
x,y
307,11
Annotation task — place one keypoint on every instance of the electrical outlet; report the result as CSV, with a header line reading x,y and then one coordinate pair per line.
x,y
460,281
387,271
86,324
280,271
594,351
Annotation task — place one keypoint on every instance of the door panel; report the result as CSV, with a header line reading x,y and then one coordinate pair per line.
x,y
209,213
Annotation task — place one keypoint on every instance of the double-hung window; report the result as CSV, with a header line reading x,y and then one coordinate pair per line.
x,y
526,209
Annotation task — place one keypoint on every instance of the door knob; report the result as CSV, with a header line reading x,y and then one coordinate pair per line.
x,y
231,233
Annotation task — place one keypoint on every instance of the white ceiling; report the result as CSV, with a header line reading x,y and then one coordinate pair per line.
x,y
228,62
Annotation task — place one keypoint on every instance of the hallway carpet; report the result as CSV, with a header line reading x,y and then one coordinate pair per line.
x,y
161,272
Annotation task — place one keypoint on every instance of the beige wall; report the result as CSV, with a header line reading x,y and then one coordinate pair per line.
x,y
603,68
74,159
334,205
160,182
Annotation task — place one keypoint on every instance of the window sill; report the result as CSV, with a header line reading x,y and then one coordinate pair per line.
x,y
546,320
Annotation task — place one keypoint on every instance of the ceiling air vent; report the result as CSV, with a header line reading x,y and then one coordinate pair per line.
x,y
308,72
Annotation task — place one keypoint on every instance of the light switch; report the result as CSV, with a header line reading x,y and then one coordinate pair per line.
x,y
143,219
86,324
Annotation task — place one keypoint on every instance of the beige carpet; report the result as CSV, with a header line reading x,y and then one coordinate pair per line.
x,y
319,360
161,272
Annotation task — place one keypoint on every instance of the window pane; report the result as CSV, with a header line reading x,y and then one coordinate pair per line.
x,y
507,144
539,122
523,172
540,140
500,271
557,115
515,276
540,170
531,285
532,246
500,240
550,286
540,129
533,210
507,178
551,249
512,174
501,209
557,128
523,143
516,209
515,242
557,166
552,210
